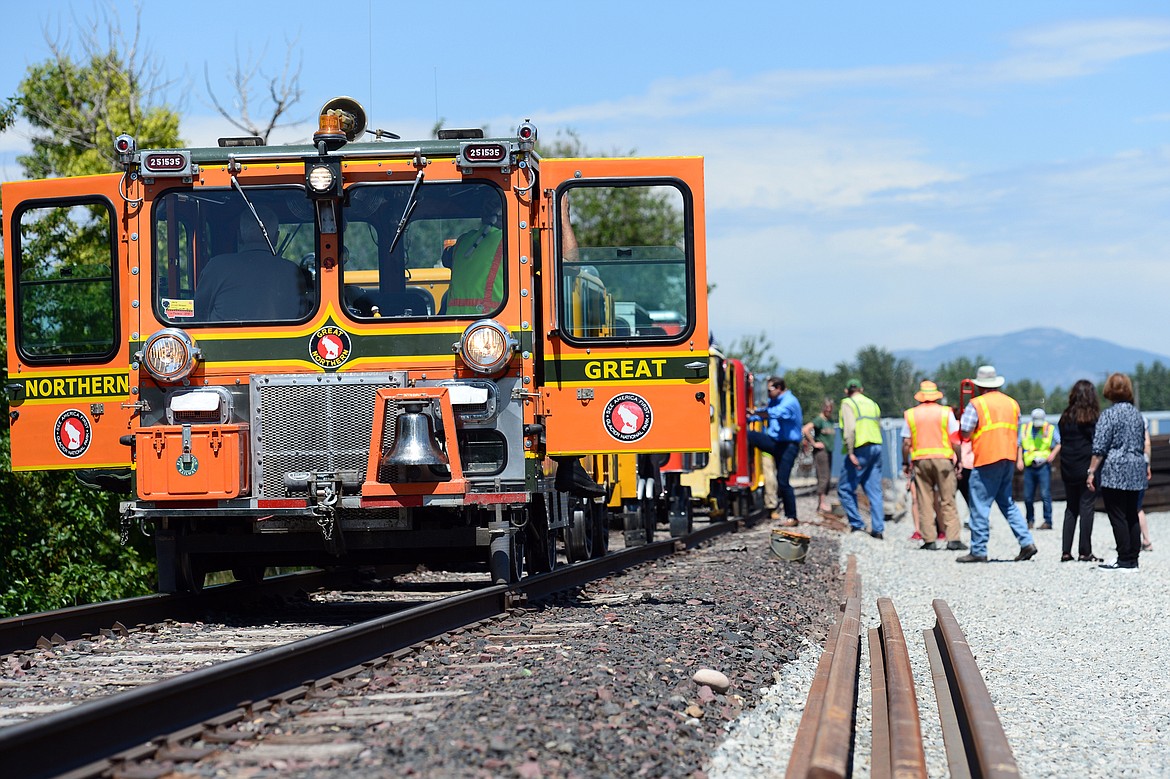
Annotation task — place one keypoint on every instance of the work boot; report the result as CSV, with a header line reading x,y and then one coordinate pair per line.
x,y
1045,526
876,534
573,479
929,545
972,558
1027,552
956,545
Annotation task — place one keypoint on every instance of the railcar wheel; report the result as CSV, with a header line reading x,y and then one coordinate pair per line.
x,y
600,528
249,574
579,534
648,512
178,569
541,542
519,557
191,573
506,558
721,501
682,518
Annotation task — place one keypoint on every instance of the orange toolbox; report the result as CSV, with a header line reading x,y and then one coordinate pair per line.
x,y
207,462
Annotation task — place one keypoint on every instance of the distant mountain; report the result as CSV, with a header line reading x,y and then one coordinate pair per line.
x,y
1049,356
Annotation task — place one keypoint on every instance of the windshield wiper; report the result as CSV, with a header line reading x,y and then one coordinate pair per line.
x,y
252,208
411,202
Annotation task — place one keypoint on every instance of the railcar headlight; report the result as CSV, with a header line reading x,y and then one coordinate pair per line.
x,y
486,346
170,355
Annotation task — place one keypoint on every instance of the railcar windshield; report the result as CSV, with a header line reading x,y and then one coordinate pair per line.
x,y
215,261
449,261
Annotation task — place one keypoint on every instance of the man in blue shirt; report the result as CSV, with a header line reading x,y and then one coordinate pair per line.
x,y
781,439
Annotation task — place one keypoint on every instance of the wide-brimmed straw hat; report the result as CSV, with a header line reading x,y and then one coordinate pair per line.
x,y
985,377
927,391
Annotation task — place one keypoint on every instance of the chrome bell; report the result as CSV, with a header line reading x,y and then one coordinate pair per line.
x,y
414,440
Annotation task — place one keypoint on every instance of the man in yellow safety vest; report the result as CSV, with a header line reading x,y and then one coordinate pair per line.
x,y
930,459
1039,445
861,434
991,421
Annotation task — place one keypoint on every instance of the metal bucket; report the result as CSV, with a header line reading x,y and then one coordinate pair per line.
x,y
790,545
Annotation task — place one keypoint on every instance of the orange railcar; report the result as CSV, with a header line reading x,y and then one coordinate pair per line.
x,y
355,352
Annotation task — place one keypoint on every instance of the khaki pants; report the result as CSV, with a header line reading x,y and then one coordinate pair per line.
x,y
930,475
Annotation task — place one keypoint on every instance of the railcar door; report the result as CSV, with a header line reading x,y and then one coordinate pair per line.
x,y
66,255
623,341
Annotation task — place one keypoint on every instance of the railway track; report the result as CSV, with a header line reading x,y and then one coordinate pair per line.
x,y
974,739
116,617
157,714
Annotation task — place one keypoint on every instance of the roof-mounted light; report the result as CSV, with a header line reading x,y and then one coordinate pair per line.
x,y
526,132
124,147
329,135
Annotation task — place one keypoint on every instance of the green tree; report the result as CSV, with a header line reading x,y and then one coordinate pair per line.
x,y
77,102
756,352
890,381
59,540
811,388
1029,394
950,375
1151,386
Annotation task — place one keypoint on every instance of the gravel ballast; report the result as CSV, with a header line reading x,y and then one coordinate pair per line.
x,y
605,681
1076,658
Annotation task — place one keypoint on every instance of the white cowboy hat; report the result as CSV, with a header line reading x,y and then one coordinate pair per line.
x,y
985,377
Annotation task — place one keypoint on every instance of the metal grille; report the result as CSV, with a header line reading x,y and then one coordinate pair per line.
x,y
302,423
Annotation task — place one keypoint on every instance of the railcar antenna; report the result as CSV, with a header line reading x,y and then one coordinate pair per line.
x,y
370,46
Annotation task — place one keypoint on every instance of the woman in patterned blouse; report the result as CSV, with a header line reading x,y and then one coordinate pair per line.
x,y
1119,444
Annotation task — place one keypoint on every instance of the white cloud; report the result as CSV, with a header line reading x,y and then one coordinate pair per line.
x,y
1078,48
778,167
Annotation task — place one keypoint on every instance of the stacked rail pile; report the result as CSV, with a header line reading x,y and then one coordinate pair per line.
x,y
976,745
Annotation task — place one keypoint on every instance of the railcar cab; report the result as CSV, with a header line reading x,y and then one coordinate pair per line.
x,y
356,352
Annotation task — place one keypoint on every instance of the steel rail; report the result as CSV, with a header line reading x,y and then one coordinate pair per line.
x,y
880,761
98,730
24,632
903,753
973,735
806,732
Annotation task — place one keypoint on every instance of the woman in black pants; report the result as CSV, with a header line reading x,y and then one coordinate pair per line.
x,y
1077,425
1118,445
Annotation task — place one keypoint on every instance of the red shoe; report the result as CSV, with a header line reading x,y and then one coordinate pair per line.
x,y
942,536
916,537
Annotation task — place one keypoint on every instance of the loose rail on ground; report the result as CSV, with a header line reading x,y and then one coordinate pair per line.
x,y
976,746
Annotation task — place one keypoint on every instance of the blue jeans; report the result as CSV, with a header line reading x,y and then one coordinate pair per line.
x,y
784,456
869,475
993,484
1038,475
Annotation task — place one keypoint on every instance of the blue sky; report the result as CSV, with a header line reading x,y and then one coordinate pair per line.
x,y
900,173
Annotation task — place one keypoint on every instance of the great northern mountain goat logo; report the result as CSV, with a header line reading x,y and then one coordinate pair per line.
x,y
329,347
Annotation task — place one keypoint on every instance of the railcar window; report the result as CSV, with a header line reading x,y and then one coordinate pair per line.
x,y
449,260
66,294
626,265
213,264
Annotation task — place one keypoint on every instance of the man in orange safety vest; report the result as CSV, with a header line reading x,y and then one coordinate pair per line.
x,y
991,422
930,460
